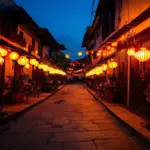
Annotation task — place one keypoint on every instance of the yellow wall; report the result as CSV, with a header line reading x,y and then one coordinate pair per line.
x,y
136,7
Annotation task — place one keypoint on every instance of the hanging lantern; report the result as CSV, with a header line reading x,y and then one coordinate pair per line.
x,y
104,53
104,66
92,52
79,53
87,52
36,63
1,60
13,56
45,68
33,62
3,52
27,66
98,54
108,48
67,56
131,52
23,61
142,55
114,44
40,66
112,64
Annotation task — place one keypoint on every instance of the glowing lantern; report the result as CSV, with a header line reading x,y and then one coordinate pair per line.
x,y
79,53
40,66
3,52
87,52
114,44
67,56
45,68
92,51
108,47
104,53
142,55
36,52
13,56
98,54
112,64
27,66
122,38
131,51
104,66
23,61
32,61
36,63
1,60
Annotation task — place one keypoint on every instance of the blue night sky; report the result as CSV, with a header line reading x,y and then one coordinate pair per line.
x,y
66,19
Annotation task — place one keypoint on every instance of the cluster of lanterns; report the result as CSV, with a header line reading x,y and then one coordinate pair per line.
x,y
100,69
25,62
142,55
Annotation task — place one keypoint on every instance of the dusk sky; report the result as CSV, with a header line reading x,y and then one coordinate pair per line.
x,y
66,19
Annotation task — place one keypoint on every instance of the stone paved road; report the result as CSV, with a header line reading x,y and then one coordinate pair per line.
x,y
69,120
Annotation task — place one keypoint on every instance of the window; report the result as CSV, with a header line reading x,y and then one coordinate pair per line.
x,y
21,34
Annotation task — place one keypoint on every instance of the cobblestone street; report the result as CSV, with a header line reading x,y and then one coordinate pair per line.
x,y
69,120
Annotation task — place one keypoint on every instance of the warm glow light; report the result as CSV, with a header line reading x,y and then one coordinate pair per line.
x,y
32,61
104,66
40,66
36,63
79,53
104,53
92,51
3,52
36,51
98,54
122,38
27,66
131,51
112,64
114,44
87,52
23,61
13,56
142,55
1,60
108,47
67,56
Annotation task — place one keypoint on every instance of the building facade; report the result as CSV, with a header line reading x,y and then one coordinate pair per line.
x,y
120,26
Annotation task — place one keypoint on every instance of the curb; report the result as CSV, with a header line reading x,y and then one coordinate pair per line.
x,y
130,128
17,114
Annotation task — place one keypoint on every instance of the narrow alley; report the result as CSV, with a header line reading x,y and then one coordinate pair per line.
x,y
69,120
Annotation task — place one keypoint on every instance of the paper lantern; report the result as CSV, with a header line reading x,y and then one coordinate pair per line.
x,y
87,52
142,55
67,56
3,52
27,66
104,66
79,53
98,54
131,52
36,63
23,61
112,64
13,55
1,60
33,61
45,68
114,44
108,47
